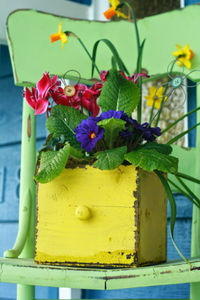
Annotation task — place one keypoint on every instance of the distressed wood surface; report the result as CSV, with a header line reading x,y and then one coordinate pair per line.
x,y
89,278
157,30
123,204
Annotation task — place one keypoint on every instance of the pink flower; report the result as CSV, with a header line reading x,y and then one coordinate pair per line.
x,y
84,97
59,96
45,84
38,98
38,104
133,78
103,75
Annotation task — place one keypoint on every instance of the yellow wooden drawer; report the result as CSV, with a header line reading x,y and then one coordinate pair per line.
x,y
101,218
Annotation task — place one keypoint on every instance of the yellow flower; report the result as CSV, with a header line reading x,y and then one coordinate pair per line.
x,y
155,96
113,10
184,56
60,35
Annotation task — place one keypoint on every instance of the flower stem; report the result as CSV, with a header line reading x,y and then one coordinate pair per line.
x,y
86,50
180,119
139,58
162,104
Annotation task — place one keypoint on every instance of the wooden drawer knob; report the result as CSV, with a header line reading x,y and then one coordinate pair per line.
x,y
83,212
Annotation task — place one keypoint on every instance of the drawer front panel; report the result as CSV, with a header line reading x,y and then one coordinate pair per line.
x,y
107,237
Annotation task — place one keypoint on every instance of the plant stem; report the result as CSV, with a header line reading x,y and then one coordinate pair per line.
x,y
176,138
86,50
151,114
183,192
180,119
189,190
162,104
187,177
139,58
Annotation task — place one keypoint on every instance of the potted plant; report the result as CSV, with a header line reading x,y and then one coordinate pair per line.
x,y
102,175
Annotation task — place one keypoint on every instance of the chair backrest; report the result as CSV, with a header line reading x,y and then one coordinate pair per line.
x,y
32,54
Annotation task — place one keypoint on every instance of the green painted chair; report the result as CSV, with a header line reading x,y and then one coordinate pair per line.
x,y
32,54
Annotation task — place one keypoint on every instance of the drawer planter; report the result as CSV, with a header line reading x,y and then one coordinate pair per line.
x,y
94,218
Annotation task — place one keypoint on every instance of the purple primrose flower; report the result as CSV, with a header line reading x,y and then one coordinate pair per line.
x,y
147,131
113,114
88,133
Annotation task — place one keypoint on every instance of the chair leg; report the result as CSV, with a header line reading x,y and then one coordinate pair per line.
x,y
25,292
28,161
195,240
195,287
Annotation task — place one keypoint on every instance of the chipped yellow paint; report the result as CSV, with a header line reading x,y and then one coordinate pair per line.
x,y
89,217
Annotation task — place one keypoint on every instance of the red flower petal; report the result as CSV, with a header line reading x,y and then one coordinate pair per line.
x,y
43,85
103,75
30,97
41,106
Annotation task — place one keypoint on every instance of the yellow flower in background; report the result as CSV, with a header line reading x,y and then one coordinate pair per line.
x,y
60,35
155,96
184,55
113,10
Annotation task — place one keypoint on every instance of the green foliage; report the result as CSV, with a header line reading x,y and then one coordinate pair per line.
x,y
115,58
112,128
77,154
179,136
150,160
172,208
162,148
110,159
119,93
62,121
52,163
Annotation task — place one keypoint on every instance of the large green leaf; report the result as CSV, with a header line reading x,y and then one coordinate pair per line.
x,y
62,121
112,128
52,163
162,148
110,159
150,160
119,93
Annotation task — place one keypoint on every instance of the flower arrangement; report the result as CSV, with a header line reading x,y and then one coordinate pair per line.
x,y
94,125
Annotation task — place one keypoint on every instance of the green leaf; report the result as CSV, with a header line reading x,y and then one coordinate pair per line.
x,y
52,163
187,177
172,208
150,159
119,93
110,159
114,51
76,153
112,128
185,193
62,121
176,138
162,148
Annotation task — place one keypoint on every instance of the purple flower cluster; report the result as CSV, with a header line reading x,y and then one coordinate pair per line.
x,y
88,133
147,132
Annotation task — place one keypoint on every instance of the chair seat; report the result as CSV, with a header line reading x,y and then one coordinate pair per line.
x,y
26,271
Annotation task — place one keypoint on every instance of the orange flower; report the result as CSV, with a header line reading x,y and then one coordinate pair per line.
x,y
114,10
60,35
